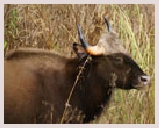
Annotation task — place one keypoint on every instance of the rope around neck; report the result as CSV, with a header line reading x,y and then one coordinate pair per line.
x,y
67,104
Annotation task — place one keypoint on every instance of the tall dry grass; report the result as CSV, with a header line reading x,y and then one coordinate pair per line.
x,y
54,27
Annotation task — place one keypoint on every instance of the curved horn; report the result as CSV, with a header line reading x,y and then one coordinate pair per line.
x,y
110,29
81,37
92,50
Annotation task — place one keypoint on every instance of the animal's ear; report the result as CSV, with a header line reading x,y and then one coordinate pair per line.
x,y
79,50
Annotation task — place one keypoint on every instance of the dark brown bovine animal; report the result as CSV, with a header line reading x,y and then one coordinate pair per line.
x,y
37,83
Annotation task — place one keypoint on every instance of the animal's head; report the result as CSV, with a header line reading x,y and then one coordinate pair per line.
x,y
112,63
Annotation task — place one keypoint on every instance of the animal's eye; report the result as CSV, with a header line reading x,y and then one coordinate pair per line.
x,y
118,60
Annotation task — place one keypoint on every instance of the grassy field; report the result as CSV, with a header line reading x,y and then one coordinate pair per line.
x,y
54,27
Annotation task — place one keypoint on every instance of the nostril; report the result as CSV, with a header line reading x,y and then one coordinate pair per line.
x,y
145,79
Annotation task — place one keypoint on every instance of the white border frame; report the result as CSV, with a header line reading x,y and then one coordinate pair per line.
x,y
75,2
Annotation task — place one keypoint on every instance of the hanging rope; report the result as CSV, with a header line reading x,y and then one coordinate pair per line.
x,y
67,104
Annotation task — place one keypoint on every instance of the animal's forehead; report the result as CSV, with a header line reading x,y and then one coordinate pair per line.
x,y
109,35
110,38
112,44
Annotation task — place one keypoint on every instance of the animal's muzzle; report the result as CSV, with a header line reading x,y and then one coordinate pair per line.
x,y
144,80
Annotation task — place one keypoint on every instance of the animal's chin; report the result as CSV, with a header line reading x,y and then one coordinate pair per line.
x,y
140,86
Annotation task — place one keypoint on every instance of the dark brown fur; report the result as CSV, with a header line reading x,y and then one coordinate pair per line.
x,y
37,85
